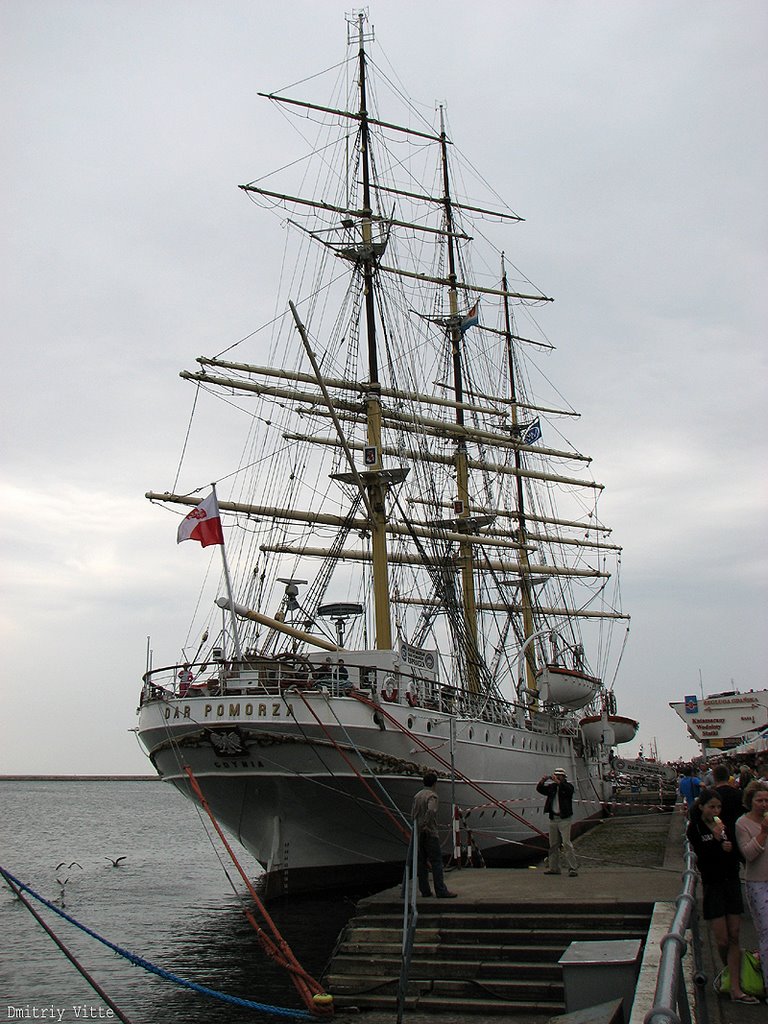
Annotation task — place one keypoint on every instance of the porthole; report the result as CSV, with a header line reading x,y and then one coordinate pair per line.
x,y
410,723
487,737
429,727
471,734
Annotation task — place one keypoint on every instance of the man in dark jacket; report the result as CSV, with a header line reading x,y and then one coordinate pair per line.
x,y
559,806
730,800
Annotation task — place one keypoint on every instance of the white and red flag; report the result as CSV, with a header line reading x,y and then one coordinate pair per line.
x,y
203,523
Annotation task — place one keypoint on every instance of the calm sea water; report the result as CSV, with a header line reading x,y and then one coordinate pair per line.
x,y
169,901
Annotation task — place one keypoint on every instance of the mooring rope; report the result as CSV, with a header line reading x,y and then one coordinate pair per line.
x,y
67,952
138,961
311,991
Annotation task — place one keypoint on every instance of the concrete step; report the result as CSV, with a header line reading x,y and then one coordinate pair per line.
x,y
551,908
359,939
479,1009
506,991
441,967
470,960
529,920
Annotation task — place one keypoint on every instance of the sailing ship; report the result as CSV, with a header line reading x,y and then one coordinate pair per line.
x,y
416,575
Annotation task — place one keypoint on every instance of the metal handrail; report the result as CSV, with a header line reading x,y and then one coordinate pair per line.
x,y
670,1001
410,917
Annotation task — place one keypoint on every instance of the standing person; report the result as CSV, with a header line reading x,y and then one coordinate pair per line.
x,y
718,862
559,806
689,787
731,807
424,817
751,835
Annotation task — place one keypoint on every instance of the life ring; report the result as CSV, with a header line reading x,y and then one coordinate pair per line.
x,y
389,690
610,703
411,696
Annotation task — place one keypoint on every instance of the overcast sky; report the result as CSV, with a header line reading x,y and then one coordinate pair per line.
x,y
631,136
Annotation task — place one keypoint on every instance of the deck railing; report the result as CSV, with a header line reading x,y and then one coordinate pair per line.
x,y
271,677
670,1002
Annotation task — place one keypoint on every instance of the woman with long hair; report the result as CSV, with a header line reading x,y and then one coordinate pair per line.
x,y
751,835
717,858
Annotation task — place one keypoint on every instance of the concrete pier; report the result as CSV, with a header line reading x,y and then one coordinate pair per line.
x,y
630,875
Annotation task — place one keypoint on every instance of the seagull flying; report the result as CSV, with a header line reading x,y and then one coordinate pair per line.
x,y
115,863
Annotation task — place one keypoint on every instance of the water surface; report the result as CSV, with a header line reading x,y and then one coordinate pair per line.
x,y
169,900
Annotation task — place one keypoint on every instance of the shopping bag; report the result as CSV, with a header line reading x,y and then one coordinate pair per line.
x,y
752,981
751,977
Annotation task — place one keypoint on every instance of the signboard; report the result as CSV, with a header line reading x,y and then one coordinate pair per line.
x,y
724,716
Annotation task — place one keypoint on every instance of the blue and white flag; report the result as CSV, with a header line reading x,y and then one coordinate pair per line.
x,y
472,319
532,432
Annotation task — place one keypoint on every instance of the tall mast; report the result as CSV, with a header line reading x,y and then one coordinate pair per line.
x,y
525,575
461,459
375,478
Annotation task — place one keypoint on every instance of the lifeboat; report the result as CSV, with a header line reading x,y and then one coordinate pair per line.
x,y
608,728
568,687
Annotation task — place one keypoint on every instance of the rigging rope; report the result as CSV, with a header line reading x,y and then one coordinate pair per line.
x,y
445,764
400,827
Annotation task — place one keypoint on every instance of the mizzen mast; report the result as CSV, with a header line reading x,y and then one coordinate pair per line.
x,y
466,556
525,573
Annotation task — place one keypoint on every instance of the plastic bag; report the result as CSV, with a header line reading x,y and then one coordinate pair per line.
x,y
751,977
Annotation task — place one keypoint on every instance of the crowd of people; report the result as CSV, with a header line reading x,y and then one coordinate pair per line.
x,y
727,806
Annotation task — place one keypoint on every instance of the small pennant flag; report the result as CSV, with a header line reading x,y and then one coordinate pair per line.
x,y
532,432
203,523
472,319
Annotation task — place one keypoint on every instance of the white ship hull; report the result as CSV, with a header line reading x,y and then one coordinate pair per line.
x,y
414,568
274,779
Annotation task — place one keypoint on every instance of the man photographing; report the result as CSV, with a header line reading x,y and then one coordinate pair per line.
x,y
559,806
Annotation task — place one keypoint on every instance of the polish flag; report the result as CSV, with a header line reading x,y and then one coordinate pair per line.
x,y
203,523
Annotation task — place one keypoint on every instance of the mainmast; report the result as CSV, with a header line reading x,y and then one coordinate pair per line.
x,y
461,459
376,480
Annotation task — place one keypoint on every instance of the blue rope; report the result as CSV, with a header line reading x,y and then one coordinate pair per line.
x,y
277,1011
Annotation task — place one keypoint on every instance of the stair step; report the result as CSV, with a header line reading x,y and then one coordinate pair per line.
x,y
477,1008
362,937
474,961
582,919
459,907
451,968
508,991
458,951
